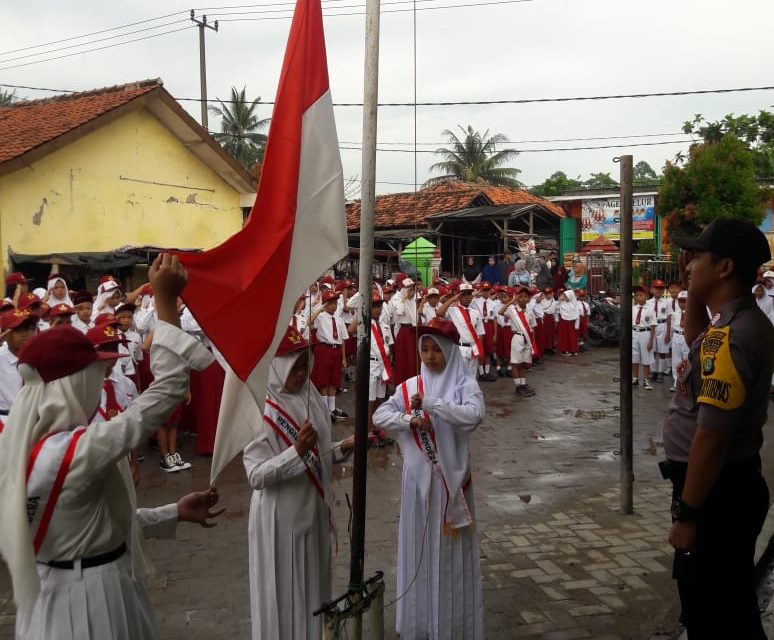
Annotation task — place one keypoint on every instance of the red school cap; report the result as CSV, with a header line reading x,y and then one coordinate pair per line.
x,y
104,334
59,310
329,296
15,318
440,327
61,353
292,341
29,301
16,278
105,319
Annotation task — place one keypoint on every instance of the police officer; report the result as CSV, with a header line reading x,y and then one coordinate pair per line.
x,y
713,433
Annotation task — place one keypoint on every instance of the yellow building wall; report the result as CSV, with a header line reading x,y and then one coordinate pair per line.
x,y
131,182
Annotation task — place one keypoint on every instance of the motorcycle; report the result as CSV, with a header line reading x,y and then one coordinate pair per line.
x,y
604,321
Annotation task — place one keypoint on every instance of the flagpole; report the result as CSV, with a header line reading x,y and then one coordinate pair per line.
x,y
367,200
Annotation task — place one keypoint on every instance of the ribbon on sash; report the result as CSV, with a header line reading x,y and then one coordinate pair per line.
x,y
377,335
478,349
525,324
456,514
44,488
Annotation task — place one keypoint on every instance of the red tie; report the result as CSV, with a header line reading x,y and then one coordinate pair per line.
x,y
335,330
485,315
682,320
112,406
639,315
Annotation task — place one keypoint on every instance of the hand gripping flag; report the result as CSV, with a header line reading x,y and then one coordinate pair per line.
x,y
243,291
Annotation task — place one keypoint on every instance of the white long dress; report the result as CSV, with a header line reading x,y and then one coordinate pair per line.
x,y
445,600
289,533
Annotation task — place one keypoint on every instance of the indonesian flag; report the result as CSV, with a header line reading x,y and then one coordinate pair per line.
x,y
243,292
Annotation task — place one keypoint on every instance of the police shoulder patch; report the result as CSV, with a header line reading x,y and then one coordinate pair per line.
x,y
721,385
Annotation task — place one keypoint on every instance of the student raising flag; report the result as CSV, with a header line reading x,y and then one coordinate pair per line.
x,y
296,230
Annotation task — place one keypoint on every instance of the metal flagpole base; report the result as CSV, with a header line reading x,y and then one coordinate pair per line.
x,y
356,614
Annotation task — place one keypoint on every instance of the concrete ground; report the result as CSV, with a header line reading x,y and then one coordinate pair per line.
x,y
559,561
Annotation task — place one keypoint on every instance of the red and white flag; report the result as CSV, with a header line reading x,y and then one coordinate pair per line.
x,y
243,291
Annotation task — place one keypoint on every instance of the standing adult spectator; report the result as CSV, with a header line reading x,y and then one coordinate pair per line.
x,y
519,277
471,273
543,279
713,433
491,272
506,266
577,278
559,274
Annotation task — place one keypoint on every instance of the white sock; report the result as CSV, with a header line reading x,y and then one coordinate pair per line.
x,y
331,403
516,382
522,382
480,369
486,368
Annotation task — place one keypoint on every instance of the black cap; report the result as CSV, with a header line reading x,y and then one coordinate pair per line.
x,y
731,238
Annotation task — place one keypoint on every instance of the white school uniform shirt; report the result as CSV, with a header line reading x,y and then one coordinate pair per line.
x,y
662,309
323,323
676,316
377,365
300,321
455,315
428,313
10,380
133,349
583,308
516,324
43,325
386,322
647,317
125,391
549,306
491,310
535,308
79,324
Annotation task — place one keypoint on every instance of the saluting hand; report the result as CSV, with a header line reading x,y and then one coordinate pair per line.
x,y
306,439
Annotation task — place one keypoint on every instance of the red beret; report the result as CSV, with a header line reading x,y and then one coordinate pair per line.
x,y
15,318
329,296
104,334
440,327
60,353
16,278
292,341
59,310
28,301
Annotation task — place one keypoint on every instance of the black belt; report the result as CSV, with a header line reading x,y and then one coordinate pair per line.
x,y
375,359
638,329
406,324
330,346
679,332
88,563
465,344
661,321
4,412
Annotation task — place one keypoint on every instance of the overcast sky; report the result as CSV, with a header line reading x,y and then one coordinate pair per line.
x,y
529,49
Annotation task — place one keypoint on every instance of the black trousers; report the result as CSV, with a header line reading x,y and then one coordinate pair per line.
x,y
716,581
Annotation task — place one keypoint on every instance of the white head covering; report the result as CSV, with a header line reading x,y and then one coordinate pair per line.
x,y
295,405
765,302
456,386
105,291
39,409
569,310
39,291
52,300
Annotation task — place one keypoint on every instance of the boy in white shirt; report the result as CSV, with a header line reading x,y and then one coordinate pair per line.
x,y
469,324
680,347
643,337
523,345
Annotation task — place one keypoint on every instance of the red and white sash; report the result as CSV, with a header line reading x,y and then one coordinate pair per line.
x,y
478,349
377,336
287,429
44,481
456,514
527,330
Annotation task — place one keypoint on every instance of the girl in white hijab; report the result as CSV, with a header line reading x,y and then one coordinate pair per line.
x,y
72,546
57,292
108,298
569,324
290,465
439,577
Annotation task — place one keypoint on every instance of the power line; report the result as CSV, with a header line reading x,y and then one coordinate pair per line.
x,y
21,86
90,42
660,94
588,148
360,6
109,46
637,135
93,33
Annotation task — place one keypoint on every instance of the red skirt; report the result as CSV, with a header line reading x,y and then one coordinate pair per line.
x,y
490,348
144,375
206,391
406,355
584,327
504,335
538,335
326,371
567,337
350,346
549,331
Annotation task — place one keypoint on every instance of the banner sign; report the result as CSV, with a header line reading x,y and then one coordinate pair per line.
x,y
603,218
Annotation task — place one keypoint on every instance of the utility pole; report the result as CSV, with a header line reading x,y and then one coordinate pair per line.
x,y
202,24
625,343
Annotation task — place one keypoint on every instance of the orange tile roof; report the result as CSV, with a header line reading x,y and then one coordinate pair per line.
x,y
401,210
27,125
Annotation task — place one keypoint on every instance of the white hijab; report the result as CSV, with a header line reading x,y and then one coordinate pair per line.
x,y
569,310
453,385
104,292
41,408
295,405
52,300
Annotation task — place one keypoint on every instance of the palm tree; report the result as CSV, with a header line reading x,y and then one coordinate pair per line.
x,y
240,128
7,97
474,157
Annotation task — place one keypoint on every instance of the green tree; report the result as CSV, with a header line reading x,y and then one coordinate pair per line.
x,y
240,128
600,180
756,132
7,97
643,173
476,157
717,181
556,185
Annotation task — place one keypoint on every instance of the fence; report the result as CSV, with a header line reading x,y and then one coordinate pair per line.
x,y
604,270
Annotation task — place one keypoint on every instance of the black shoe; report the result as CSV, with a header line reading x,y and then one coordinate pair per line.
x,y
338,414
653,377
660,377
491,376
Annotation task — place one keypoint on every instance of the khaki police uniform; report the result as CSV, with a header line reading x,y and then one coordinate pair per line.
x,y
723,386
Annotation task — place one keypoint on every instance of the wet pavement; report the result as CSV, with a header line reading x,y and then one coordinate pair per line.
x,y
559,561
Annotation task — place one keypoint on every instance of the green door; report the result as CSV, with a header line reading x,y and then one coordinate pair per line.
x,y
568,233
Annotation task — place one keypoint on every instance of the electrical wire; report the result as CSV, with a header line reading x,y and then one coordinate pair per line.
x,y
109,46
589,148
93,33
